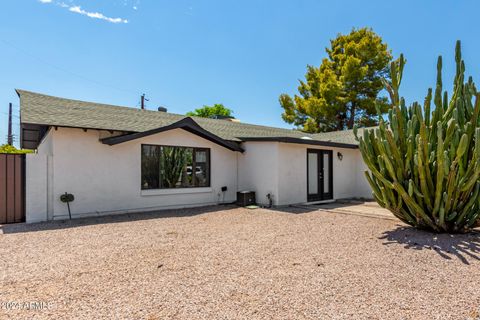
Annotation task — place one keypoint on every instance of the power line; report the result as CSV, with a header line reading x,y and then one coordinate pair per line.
x,y
72,73
65,70
13,115
13,112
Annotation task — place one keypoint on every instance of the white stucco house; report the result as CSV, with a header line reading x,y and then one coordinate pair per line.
x,y
117,159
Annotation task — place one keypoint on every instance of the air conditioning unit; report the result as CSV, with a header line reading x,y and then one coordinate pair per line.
x,y
245,198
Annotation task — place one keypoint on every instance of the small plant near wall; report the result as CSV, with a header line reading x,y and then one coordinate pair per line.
x,y
425,166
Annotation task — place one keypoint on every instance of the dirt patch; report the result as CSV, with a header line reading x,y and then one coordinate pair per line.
x,y
233,263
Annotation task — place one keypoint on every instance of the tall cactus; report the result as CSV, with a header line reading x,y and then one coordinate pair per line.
x,y
425,166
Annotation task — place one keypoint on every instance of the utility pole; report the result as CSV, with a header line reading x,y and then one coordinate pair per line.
x,y
142,101
10,136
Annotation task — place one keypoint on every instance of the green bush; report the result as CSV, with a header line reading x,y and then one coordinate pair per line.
x,y
425,166
6,148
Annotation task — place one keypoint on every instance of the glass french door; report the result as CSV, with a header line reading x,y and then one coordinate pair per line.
x,y
319,175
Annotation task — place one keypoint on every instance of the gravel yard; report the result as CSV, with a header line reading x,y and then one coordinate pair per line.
x,y
235,263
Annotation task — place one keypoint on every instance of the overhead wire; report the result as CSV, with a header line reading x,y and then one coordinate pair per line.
x,y
67,71
45,62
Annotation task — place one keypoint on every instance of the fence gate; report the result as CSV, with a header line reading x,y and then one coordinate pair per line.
x,y
12,188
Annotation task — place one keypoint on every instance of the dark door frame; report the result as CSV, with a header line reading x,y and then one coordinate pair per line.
x,y
321,195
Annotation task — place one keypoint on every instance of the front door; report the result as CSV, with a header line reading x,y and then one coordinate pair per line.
x,y
319,175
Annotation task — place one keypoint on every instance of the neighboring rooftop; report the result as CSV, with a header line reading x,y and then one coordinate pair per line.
x,y
43,110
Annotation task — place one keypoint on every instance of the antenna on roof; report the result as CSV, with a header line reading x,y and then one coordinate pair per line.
x,y
142,101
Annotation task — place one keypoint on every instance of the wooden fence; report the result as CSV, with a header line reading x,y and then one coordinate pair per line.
x,y
12,188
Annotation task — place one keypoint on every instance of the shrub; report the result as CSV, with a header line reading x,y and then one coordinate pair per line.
x,y
6,148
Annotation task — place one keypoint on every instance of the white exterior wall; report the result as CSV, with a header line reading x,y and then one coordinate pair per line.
x,y
348,179
36,188
106,179
257,170
281,169
365,191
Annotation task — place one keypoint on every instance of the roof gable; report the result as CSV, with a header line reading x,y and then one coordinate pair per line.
x,y
187,124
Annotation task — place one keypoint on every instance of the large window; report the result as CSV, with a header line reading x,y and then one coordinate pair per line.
x,y
165,167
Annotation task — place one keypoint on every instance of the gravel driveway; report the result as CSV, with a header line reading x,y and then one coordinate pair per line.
x,y
234,263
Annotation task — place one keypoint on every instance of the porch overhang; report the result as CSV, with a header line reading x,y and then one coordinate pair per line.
x,y
302,141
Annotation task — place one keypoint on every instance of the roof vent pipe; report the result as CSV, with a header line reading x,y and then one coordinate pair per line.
x,y
162,109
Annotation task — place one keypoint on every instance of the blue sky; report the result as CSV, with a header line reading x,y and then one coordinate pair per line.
x,y
184,54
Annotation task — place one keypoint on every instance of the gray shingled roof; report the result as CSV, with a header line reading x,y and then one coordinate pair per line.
x,y
42,109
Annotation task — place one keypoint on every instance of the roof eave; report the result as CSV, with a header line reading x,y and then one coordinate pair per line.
x,y
302,141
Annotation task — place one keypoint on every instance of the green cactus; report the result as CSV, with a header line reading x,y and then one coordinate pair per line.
x,y
424,166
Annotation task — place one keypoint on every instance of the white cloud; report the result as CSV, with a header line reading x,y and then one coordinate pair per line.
x,y
136,3
79,10
96,15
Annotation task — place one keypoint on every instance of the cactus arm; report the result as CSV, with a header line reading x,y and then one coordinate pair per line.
x,y
423,179
440,172
413,205
469,205
426,106
373,184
